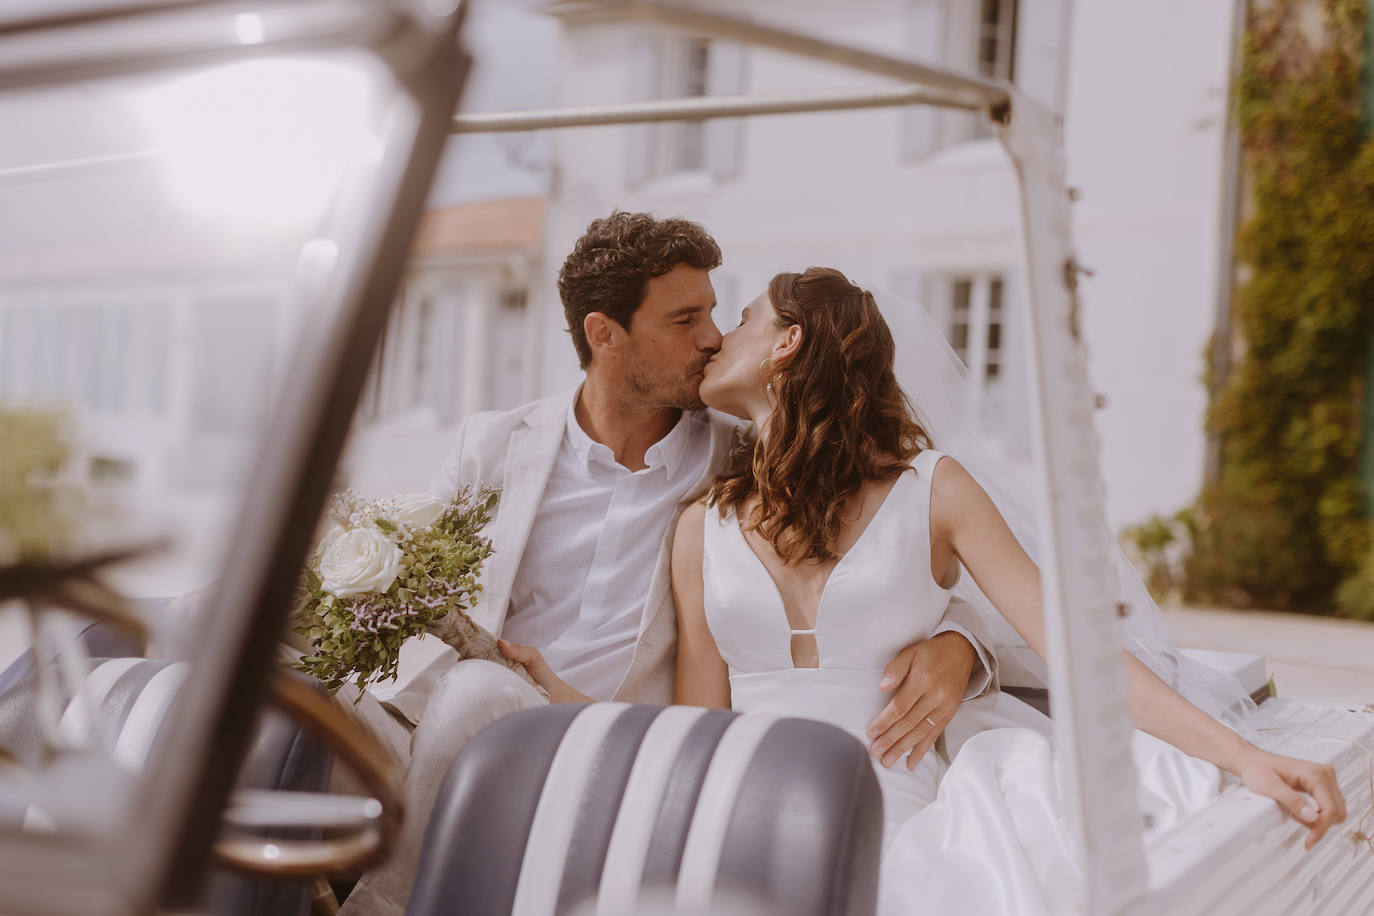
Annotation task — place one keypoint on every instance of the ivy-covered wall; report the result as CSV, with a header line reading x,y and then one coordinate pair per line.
x,y
1283,524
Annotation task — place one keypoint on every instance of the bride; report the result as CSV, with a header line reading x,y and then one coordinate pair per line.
x,y
832,541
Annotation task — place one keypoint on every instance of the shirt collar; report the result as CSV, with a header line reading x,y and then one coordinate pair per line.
x,y
668,452
584,447
671,450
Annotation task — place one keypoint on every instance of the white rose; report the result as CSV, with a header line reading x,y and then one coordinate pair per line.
x,y
416,511
359,561
331,534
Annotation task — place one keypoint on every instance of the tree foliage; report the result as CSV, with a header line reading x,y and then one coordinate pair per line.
x,y
1282,526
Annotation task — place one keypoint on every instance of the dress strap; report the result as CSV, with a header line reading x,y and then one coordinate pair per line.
x,y
925,462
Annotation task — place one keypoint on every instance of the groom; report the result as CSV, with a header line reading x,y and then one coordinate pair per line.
x,y
592,483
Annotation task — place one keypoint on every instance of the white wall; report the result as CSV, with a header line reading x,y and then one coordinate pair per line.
x,y
1144,129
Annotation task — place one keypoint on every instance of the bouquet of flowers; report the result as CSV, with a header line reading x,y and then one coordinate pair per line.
x,y
389,569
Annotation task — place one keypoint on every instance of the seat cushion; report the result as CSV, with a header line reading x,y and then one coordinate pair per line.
x,y
551,807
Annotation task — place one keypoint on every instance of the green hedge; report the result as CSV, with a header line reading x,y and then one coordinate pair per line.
x,y
1283,524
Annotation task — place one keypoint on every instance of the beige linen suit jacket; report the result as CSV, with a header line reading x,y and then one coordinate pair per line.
x,y
516,450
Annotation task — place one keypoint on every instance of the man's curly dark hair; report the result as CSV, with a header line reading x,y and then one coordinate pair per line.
x,y
615,259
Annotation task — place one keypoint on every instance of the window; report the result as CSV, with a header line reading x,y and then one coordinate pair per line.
x,y
976,326
684,72
959,317
994,49
406,360
505,375
993,366
449,349
996,39
972,37
421,387
662,67
109,359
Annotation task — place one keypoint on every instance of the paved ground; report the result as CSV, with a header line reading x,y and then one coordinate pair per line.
x,y
1317,659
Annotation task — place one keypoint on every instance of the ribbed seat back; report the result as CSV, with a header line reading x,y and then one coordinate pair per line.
x,y
580,808
131,697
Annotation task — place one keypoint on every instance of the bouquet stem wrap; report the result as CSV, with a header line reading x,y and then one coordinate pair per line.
x,y
470,640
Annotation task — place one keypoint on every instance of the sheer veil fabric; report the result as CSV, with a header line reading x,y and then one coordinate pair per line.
x,y
963,422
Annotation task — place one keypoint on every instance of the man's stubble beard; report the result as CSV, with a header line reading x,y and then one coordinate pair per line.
x,y
654,391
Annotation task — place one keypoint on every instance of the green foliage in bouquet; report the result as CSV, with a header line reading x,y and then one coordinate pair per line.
x,y
358,637
1282,525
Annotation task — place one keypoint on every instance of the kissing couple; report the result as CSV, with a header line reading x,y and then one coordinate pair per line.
x,y
792,551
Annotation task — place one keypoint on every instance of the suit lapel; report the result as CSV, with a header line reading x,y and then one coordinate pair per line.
x,y
530,457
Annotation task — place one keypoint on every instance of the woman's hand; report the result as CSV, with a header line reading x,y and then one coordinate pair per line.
x,y
558,690
962,513
1285,779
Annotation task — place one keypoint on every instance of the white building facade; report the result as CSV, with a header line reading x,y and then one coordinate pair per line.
x,y
166,345
922,203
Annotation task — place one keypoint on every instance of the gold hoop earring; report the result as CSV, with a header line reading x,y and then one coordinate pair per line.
x,y
769,386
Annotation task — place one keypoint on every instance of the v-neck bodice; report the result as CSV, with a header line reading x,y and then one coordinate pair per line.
x,y
836,569
878,599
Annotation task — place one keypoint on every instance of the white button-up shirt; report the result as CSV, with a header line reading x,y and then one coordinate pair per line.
x,y
580,589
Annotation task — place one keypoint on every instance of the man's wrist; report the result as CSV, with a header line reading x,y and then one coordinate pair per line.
x,y
979,674
970,654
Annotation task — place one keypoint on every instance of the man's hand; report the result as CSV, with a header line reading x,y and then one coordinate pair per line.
x,y
559,691
930,678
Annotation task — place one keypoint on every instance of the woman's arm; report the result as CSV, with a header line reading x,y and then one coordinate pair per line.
x,y
962,513
702,678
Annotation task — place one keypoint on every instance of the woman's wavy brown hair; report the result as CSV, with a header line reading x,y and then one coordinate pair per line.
x,y
840,419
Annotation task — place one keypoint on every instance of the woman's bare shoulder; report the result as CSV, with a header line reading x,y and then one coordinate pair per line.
x,y
690,521
953,490
950,473
695,512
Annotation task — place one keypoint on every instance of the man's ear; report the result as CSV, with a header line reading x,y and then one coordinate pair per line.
x,y
787,347
602,331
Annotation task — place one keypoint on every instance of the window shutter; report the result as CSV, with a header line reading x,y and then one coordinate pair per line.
x,y
725,136
925,26
1041,58
446,344
643,73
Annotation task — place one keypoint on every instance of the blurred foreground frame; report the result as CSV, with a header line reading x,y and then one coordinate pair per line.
x,y
161,859
160,862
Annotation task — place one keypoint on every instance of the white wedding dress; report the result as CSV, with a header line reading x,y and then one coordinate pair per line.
x,y
978,835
